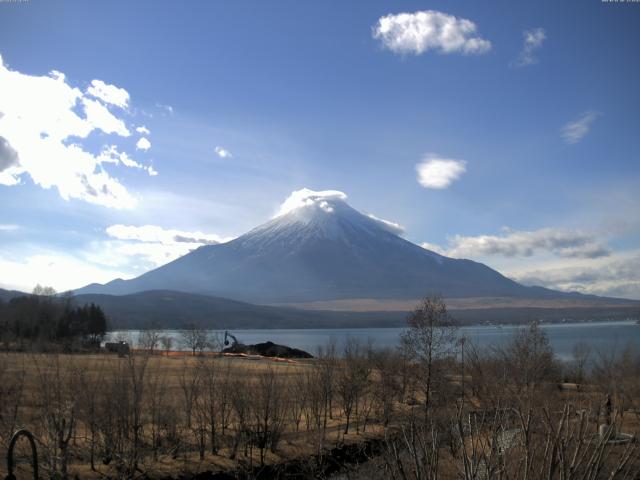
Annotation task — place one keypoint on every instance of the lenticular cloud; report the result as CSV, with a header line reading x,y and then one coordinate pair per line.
x,y
306,197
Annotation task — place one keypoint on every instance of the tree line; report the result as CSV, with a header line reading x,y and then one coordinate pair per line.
x,y
45,318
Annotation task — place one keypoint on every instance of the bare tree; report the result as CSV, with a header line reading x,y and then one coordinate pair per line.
x,y
89,384
136,367
327,357
413,453
241,403
223,394
194,338
57,402
617,373
297,399
387,386
12,385
149,339
268,411
156,406
43,291
211,382
316,405
352,379
429,338
528,366
191,389
167,342
581,353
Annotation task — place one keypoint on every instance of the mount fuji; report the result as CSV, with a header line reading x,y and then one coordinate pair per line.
x,y
318,248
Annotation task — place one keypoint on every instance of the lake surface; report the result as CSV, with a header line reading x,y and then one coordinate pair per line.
x,y
602,336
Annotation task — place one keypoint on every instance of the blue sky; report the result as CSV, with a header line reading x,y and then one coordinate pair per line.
x,y
511,139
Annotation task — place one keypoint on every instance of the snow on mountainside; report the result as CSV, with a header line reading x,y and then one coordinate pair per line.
x,y
319,248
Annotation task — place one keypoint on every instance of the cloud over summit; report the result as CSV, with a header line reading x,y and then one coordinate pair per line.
x,y
306,197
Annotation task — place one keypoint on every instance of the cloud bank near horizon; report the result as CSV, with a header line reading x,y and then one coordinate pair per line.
x,y
558,241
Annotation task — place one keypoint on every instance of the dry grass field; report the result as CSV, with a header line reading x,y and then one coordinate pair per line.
x,y
510,415
170,414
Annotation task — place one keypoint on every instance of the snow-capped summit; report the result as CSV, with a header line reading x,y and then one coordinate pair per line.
x,y
317,247
309,216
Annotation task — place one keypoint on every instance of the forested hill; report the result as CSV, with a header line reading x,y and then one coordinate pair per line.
x,y
171,309
6,295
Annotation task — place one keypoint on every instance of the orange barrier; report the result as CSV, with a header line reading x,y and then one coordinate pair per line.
x,y
184,353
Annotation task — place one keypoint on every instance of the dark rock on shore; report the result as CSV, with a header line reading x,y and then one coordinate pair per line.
x,y
268,349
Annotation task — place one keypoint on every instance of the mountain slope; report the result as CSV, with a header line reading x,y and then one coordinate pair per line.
x,y
322,250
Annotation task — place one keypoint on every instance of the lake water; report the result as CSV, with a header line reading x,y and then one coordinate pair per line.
x,y
602,336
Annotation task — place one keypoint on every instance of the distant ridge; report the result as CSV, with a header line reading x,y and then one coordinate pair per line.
x,y
6,295
172,309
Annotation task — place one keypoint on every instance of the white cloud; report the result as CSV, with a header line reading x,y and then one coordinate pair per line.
x,y
222,152
109,93
427,30
533,40
306,197
143,130
152,233
143,144
166,108
111,154
434,248
41,122
138,256
618,277
99,117
392,227
153,244
438,172
561,242
129,251
9,227
8,156
60,271
575,131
